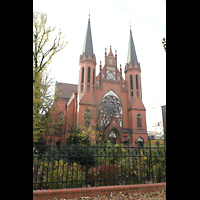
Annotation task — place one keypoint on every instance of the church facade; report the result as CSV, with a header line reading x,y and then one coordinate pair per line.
x,y
116,102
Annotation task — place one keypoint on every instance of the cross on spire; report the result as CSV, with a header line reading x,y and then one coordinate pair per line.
x,y
130,22
89,13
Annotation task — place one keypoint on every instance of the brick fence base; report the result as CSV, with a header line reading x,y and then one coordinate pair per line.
x,y
95,191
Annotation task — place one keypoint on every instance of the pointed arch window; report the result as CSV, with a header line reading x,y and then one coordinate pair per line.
x,y
82,80
88,74
93,75
131,85
131,82
139,124
110,107
136,79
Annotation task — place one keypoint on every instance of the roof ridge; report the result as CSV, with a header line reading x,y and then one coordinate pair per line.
x,y
66,89
66,83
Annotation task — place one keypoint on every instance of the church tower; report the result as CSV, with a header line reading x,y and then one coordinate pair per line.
x,y
136,110
87,74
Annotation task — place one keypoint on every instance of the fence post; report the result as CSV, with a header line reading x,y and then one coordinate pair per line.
x,y
87,162
151,166
150,161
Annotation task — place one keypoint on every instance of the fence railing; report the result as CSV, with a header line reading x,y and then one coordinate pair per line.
x,y
83,166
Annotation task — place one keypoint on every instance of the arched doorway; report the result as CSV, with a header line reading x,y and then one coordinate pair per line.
x,y
112,137
140,142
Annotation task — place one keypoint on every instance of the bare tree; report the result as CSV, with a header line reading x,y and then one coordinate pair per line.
x,y
43,48
43,51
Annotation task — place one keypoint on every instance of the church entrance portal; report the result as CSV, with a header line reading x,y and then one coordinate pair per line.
x,y
112,137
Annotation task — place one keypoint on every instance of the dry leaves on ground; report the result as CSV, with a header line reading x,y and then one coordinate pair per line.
x,y
161,195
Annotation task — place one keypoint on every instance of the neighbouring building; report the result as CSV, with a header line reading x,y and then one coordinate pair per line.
x,y
116,97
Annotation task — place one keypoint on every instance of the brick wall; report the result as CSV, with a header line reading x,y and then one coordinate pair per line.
x,y
95,191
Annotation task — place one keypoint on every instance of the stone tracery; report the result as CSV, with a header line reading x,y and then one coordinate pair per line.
x,y
111,107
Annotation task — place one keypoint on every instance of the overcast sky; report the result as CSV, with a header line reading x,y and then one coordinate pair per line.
x,y
110,20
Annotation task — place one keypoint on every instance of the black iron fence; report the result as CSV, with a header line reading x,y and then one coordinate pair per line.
x,y
77,166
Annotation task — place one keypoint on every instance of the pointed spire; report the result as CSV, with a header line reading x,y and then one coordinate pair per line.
x,y
88,47
132,57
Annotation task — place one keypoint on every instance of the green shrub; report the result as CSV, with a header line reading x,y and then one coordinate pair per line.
x,y
70,175
107,153
77,138
142,166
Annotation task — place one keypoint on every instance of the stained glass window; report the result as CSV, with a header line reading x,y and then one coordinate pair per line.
x,y
110,107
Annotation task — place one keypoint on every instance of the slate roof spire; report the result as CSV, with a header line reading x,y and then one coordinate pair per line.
x,y
88,46
132,57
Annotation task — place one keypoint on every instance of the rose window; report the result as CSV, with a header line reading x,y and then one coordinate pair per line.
x,y
110,107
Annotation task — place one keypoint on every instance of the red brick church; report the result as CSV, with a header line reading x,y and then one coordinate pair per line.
x,y
116,97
